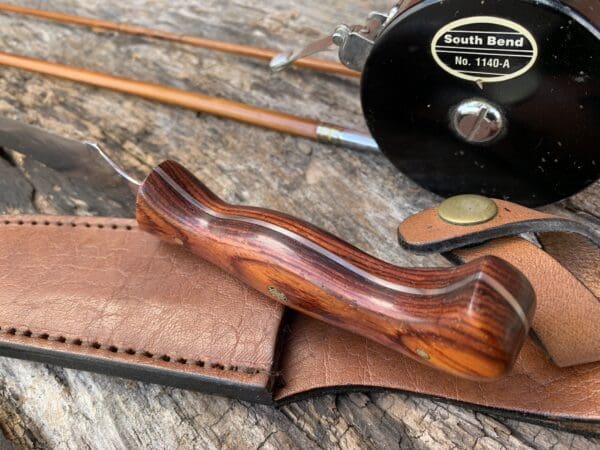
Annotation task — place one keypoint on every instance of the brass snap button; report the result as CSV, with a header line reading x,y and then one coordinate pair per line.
x,y
467,209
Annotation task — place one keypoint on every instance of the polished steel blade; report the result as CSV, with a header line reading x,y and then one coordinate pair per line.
x,y
82,161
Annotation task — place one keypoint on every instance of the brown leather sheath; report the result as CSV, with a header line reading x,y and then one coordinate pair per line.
x,y
98,294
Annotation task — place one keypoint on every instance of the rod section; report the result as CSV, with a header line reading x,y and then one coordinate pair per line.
x,y
317,64
196,101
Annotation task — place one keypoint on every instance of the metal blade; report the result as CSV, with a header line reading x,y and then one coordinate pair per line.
x,y
84,162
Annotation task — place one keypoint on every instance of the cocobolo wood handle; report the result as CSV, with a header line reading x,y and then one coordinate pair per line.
x,y
469,320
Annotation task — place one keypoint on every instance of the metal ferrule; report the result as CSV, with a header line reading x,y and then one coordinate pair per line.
x,y
344,137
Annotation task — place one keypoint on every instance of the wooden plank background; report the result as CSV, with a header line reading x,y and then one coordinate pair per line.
x,y
359,197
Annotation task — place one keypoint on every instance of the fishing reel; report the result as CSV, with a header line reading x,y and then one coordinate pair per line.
x,y
499,97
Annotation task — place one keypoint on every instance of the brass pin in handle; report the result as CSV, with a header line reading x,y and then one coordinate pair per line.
x,y
320,65
470,320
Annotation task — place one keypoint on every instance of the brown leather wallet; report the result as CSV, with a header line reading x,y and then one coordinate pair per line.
x,y
98,294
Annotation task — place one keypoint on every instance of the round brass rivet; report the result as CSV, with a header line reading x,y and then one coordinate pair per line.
x,y
277,294
467,209
422,353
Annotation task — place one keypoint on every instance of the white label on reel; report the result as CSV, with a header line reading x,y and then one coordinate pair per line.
x,y
484,49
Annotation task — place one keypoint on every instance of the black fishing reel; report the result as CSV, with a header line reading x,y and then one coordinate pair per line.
x,y
498,97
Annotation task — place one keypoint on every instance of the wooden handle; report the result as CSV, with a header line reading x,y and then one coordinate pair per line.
x,y
469,320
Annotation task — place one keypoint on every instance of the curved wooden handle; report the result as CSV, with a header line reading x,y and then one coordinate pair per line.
x,y
469,320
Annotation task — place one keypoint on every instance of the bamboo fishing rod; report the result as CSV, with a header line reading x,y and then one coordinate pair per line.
x,y
317,64
196,101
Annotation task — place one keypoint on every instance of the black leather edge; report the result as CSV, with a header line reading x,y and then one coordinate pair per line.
x,y
196,382
254,393
584,427
526,226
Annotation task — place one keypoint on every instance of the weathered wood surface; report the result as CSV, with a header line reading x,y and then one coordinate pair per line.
x,y
356,196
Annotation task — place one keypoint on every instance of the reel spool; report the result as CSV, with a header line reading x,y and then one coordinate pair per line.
x,y
500,97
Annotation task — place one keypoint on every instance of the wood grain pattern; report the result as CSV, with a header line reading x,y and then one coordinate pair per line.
x,y
359,197
470,320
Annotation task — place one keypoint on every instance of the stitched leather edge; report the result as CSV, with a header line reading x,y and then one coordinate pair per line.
x,y
241,386
130,351
111,348
60,223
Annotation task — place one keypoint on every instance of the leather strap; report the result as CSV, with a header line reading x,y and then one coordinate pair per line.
x,y
98,294
426,232
567,318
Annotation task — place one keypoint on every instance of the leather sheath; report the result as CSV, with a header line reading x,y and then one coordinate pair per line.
x,y
98,294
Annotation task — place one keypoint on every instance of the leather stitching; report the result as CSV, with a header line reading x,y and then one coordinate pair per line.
x,y
59,223
129,351
112,348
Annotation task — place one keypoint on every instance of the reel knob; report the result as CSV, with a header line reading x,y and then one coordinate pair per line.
x,y
477,121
